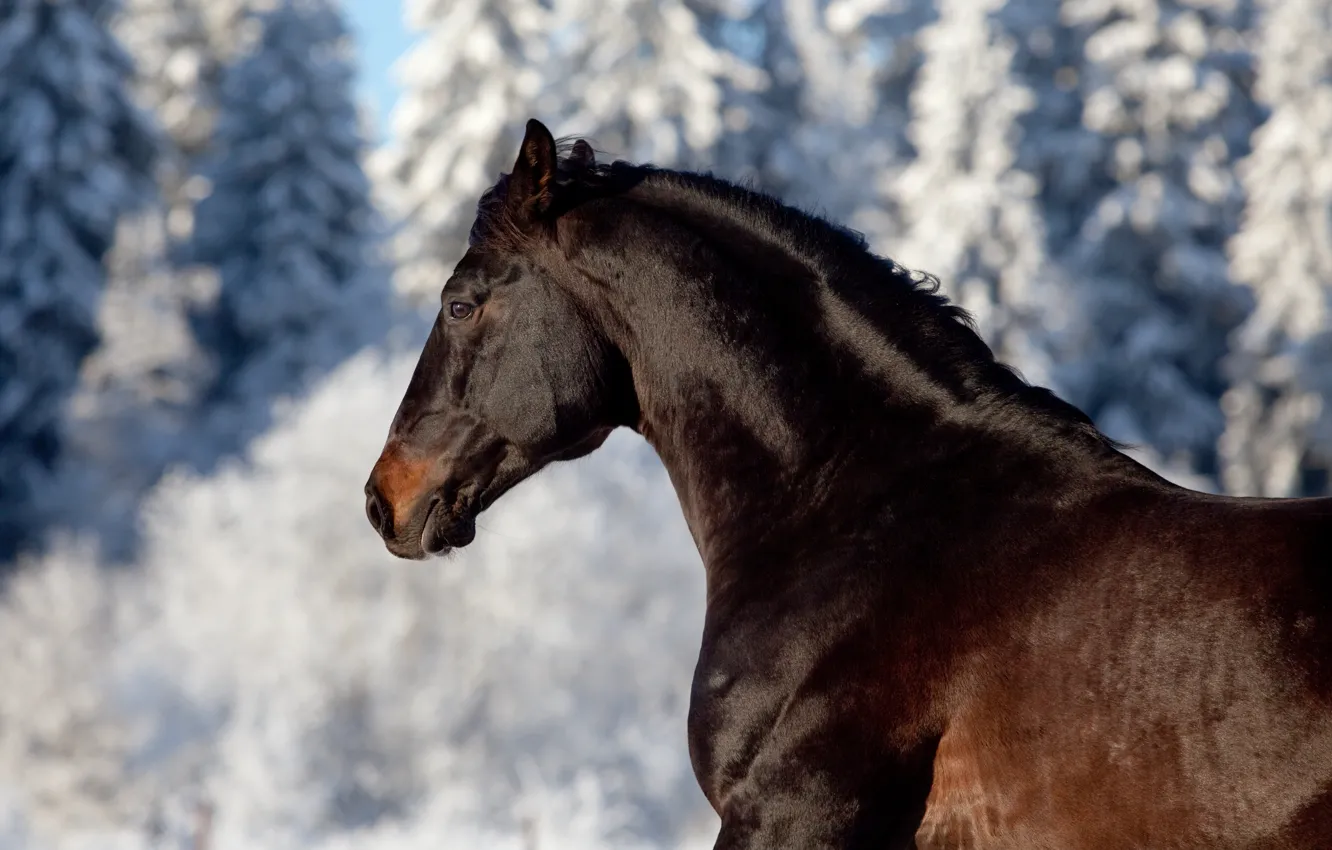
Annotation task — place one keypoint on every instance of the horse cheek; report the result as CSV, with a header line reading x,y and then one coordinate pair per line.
x,y
520,404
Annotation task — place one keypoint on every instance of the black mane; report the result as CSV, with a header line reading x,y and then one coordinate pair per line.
x,y
826,247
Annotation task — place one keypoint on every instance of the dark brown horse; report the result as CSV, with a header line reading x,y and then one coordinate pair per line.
x,y
942,607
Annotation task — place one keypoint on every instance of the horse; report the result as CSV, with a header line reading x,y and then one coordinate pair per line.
x,y
943,610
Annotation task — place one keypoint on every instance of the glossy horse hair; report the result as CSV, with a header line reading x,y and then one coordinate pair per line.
x,y
944,610
579,177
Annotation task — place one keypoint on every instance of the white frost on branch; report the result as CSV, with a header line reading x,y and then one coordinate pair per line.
x,y
1278,422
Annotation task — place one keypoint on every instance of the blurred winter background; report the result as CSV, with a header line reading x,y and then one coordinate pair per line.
x,y
223,225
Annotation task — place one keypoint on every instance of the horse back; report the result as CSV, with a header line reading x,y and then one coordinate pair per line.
x,y
1170,687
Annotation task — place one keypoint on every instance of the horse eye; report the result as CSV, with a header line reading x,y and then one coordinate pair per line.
x,y
459,310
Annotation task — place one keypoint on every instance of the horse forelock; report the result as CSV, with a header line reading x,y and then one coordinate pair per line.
x,y
495,215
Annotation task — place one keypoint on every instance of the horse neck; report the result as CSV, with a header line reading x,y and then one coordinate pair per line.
x,y
770,419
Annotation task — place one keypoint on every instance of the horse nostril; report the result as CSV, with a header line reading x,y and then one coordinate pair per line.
x,y
378,512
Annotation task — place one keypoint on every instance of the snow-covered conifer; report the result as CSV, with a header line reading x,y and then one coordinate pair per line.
x,y
288,224
970,213
1278,439
638,78
177,67
1143,107
469,85
176,80
75,155
824,126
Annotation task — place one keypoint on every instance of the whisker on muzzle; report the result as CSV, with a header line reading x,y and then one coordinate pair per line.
x,y
501,534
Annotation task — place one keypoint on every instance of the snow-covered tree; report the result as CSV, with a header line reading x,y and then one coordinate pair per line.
x,y
288,223
825,127
75,155
139,400
636,77
176,82
1278,439
232,27
147,359
970,214
180,47
1143,107
178,68
642,78
465,84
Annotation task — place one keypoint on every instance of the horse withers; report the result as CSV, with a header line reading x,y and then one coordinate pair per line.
x,y
943,610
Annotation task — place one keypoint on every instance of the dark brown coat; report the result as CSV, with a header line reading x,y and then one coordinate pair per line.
x,y
942,607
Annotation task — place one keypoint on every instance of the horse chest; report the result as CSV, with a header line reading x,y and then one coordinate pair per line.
x,y
743,688
777,691
731,710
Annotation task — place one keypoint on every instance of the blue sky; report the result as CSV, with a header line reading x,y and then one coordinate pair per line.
x,y
381,37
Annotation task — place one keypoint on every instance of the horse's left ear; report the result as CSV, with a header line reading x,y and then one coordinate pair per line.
x,y
532,184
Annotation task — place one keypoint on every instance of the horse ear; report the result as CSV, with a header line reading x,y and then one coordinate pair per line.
x,y
532,184
583,154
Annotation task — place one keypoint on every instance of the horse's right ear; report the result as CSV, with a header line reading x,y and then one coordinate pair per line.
x,y
532,184
583,155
